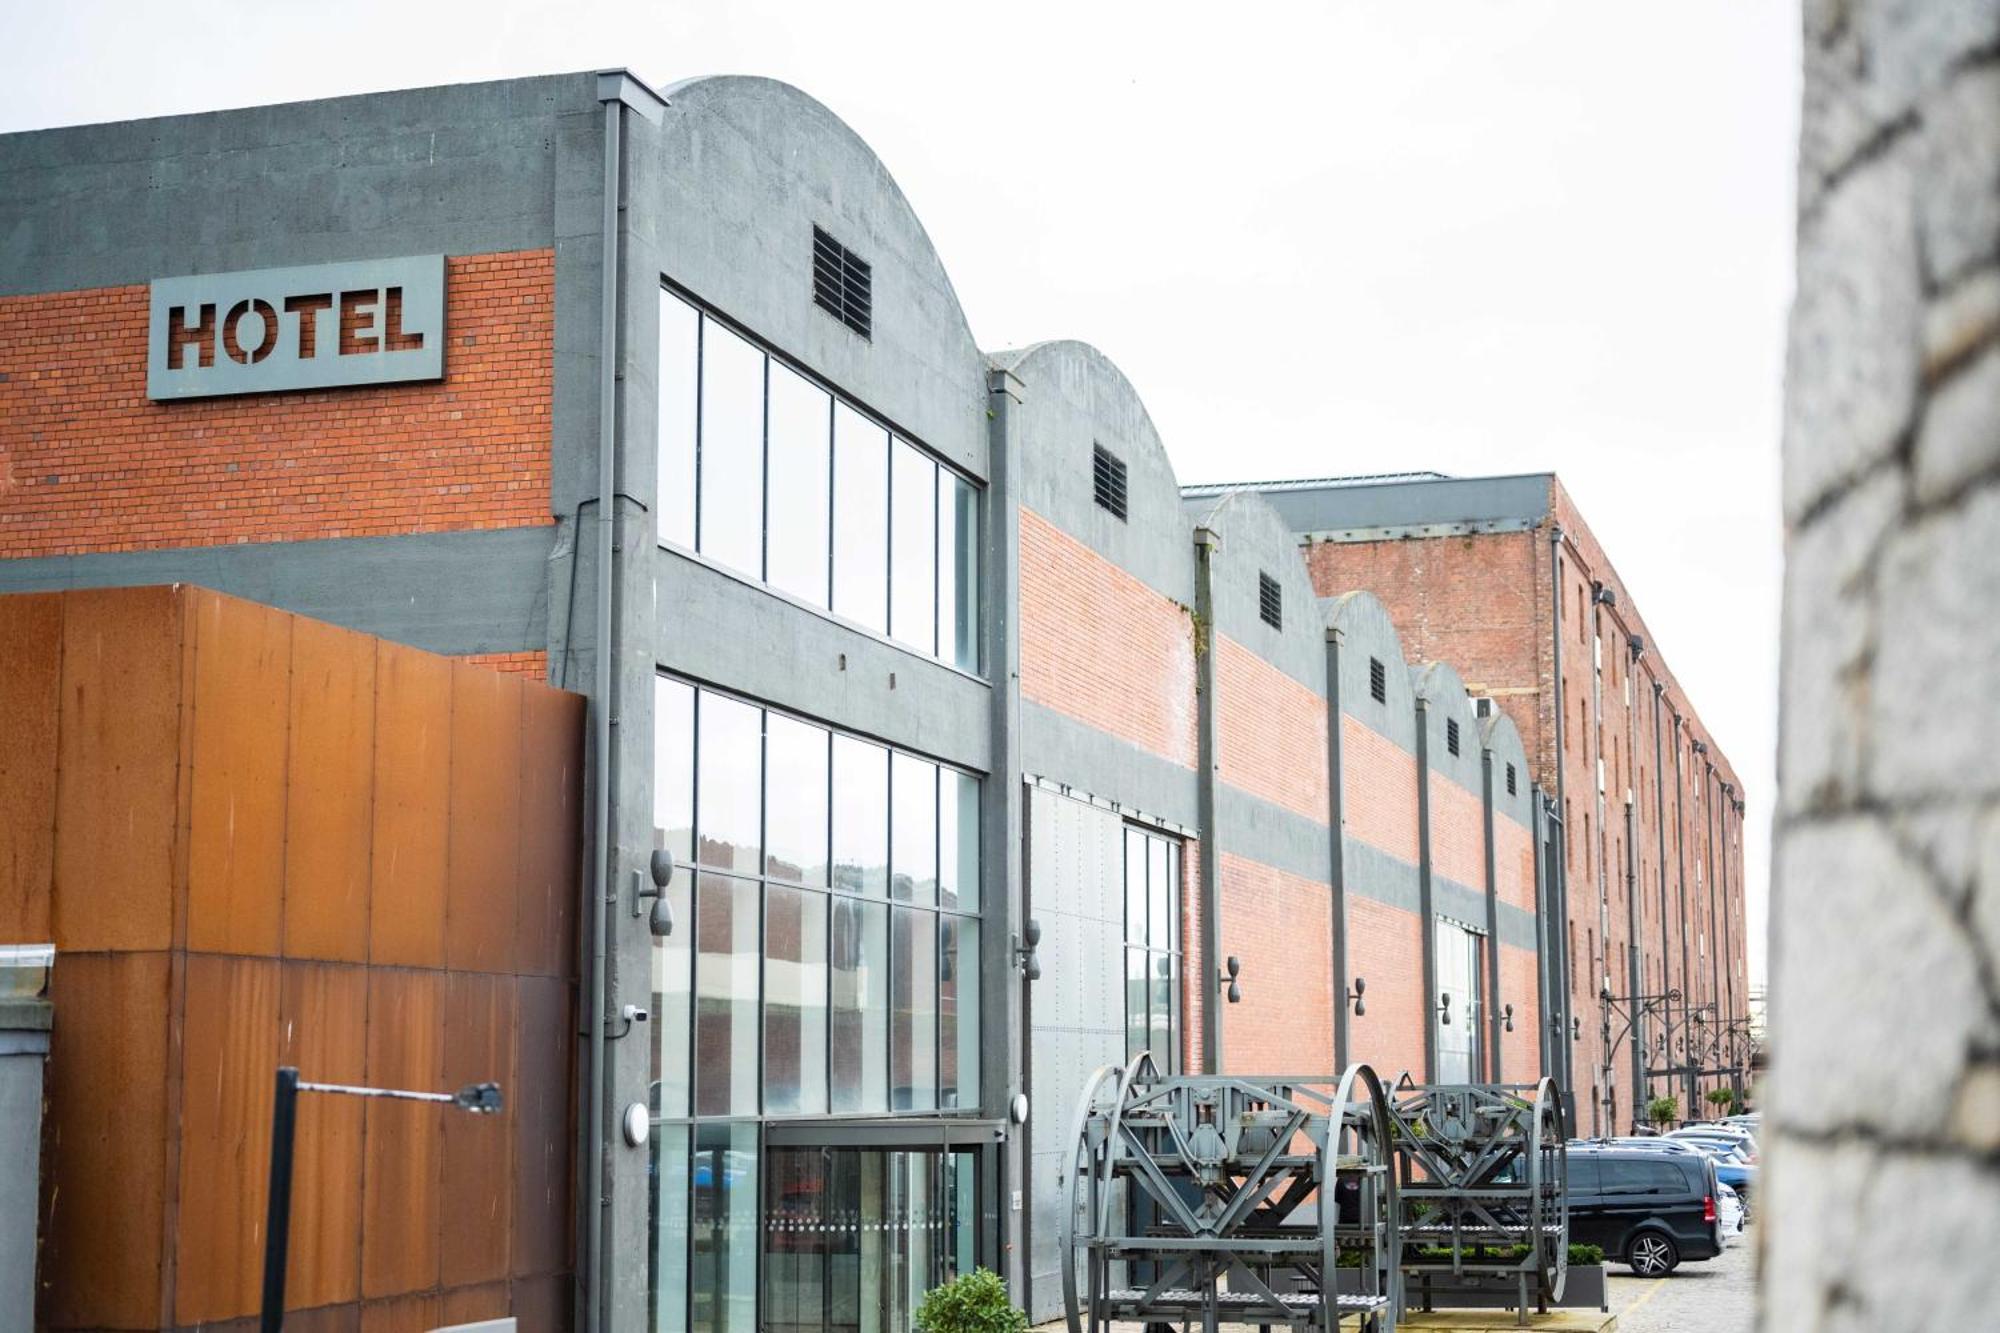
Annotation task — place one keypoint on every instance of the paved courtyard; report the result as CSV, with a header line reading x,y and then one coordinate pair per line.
x,y
1716,1296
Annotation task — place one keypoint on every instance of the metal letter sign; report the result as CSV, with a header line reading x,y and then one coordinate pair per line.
x,y
378,321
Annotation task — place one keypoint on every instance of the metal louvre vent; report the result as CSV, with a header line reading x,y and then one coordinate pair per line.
x,y
1510,780
1270,602
1451,734
1378,680
843,284
1107,478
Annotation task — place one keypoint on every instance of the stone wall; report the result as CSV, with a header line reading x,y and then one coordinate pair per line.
x,y
1884,1162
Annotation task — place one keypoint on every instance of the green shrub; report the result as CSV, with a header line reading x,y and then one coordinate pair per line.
x,y
1722,1097
975,1302
1663,1110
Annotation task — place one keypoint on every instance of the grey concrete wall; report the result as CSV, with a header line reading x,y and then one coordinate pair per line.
x,y
1883,1130
1367,632
1438,684
745,167
1077,397
1502,739
457,170
1255,540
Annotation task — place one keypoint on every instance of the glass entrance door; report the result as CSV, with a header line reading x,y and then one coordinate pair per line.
x,y
854,1237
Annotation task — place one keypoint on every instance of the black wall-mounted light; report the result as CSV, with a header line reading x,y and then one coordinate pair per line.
x,y
1507,1018
1232,967
1027,955
1444,1008
1354,997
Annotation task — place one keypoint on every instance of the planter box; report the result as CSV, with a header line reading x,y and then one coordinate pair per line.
x,y
1584,1289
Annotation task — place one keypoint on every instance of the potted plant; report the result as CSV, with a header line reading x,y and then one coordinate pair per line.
x,y
974,1302
1662,1112
1723,1099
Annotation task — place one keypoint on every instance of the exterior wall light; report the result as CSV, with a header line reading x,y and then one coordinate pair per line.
x,y
1507,1018
1354,997
660,870
1444,1009
1026,953
1232,967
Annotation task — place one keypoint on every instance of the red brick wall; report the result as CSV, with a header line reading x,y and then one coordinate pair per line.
x,y
1458,833
1378,790
1520,1050
1383,947
1281,927
533,665
1270,732
1103,648
88,463
1513,863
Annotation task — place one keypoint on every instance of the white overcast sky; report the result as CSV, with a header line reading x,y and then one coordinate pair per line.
x,y
1466,235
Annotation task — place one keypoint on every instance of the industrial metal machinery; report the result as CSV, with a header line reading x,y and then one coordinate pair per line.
x,y
1482,1182
1197,1200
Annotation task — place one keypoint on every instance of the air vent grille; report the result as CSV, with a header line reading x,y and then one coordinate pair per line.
x,y
1270,602
1107,478
1510,780
1378,680
843,284
1451,734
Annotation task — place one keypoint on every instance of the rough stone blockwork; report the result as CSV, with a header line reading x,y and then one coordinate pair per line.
x,y
1885,1165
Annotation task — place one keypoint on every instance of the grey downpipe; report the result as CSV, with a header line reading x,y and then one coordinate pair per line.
x,y
1206,543
1660,821
1427,946
1492,923
1632,954
607,391
1336,836
1680,875
1557,1020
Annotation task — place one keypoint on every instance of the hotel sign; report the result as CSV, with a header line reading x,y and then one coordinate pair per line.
x,y
378,321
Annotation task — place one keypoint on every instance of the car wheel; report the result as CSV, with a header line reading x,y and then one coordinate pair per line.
x,y
1652,1255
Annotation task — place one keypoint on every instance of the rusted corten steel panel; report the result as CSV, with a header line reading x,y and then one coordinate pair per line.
x,y
30,673
551,826
245,830
117,769
477,1193
104,1171
236,834
323,1027
412,780
330,806
229,1046
484,838
405,1141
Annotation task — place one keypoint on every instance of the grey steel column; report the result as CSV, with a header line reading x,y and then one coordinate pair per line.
x,y
1206,544
1492,917
1336,831
24,1050
1427,946
1555,1019
1660,819
1002,988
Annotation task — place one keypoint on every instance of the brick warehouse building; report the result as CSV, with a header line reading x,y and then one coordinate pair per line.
x,y
890,644
1502,578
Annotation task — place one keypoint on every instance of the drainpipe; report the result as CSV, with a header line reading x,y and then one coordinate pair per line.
x,y
1680,873
1634,920
1428,945
1544,832
1660,820
1492,921
1336,831
1556,1018
1206,544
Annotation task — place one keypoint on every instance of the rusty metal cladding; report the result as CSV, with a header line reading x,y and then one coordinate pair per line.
x,y
478,1191
484,844
323,1032
236,834
468,1305
330,797
542,1302
539,1106
551,829
30,673
399,1197
412,775
403,1314
325,1319
117,759
104,1178
229,1047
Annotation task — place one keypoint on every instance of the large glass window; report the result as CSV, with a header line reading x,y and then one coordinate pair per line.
x,y
860,1005
913,1011
1457,1007
795,991
767,472
725,1017
1152,947
723,1281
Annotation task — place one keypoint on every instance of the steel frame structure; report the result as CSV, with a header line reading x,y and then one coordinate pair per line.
x,y
1483,1166
1198,1199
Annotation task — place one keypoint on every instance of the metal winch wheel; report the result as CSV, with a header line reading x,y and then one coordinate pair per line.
x,y
1483,1186
1195,1200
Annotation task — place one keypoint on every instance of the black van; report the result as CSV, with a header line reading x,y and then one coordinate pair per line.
x,y
1649,1207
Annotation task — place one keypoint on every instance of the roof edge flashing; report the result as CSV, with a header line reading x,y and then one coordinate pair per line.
x,y
622,85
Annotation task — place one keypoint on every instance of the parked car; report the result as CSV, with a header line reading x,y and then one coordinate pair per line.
x,y
1729,1211
1734,1167
1651,1207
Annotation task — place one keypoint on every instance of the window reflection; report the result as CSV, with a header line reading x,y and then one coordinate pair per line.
x,y
958,571
731,522
860,817
958,1013
1152,954
725,983
913,852
860,519
795,987
730,788
860,1005
680,361
723,1283
913,548
913,1012
795,804
958,840
797,518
